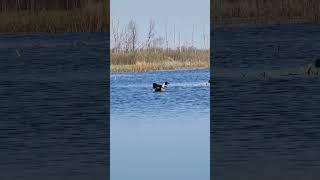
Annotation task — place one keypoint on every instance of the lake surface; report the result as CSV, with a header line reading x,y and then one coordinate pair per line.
x,y
265,122
53,108
160,135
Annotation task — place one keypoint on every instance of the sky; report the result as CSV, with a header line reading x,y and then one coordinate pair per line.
x,y
179,16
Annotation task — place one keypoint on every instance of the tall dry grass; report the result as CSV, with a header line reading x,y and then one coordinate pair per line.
x,y
159,59
36,5
88,16
264,11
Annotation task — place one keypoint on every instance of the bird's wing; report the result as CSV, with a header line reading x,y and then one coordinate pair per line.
x,y
155,85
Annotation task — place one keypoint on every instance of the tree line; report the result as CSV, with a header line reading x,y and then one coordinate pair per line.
x,y
125,38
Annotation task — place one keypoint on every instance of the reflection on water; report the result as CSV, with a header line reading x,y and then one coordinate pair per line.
x,y
53,106
160,135
265,128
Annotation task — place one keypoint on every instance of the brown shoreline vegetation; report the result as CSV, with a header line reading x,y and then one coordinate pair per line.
x,y
153,51
54,16
232,12
159,59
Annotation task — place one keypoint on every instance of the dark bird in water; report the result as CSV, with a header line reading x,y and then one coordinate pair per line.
x,y
317,63
209,82
160,87
312,68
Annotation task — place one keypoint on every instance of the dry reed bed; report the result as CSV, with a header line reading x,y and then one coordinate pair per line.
x,y
35,5
147,60
87,19
265,11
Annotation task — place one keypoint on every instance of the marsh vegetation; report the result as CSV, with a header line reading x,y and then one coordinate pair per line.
x,y
152,51
54,15
159,59
262,11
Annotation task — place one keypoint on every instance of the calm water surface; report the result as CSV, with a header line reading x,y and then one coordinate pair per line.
x,y
53,106
265,126
160,135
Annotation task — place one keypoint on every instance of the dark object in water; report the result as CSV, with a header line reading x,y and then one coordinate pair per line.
x,y
312,68
317,63
159,87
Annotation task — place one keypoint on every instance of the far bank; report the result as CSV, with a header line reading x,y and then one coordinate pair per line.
x,y
159,59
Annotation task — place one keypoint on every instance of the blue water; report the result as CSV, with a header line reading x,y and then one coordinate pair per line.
x,y
160,135
265,127
53,106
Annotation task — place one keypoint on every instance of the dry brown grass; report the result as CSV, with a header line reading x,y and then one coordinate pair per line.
x,y
146,60
265,11
86,19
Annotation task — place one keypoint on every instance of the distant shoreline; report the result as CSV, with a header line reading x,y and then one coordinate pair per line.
x,y
132,69
233,22
149,60
178,69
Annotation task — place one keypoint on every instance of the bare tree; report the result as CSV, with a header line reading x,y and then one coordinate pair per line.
x,y
174,35
116,36
151,33
204,37
132,34
166,37
126,39
192,36
179,43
